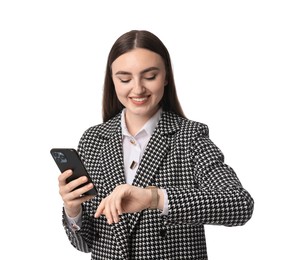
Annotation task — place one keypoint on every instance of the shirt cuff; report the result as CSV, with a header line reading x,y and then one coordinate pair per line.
x,y
165,202
76,222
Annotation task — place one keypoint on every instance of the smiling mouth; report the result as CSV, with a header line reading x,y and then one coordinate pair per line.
x,y
139,99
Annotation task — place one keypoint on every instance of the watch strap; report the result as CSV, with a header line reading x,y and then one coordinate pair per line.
x,y
154,196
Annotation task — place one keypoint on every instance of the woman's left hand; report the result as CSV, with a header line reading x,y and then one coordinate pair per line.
x,y
125,198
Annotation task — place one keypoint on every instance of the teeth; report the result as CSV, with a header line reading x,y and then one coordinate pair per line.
x,y
139,99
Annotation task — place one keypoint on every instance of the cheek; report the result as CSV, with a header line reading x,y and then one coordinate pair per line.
x,y
118,89
122,92
159,92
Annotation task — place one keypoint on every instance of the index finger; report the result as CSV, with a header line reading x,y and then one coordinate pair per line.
x,y
63,176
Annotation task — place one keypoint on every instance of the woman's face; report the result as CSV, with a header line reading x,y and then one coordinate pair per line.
x,y
139,77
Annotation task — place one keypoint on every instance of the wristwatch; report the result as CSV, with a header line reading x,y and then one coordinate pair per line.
x,y
154,197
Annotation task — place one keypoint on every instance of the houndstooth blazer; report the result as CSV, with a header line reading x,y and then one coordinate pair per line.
x,y
180,158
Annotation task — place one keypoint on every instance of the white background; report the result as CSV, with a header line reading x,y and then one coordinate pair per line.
x,y
230,64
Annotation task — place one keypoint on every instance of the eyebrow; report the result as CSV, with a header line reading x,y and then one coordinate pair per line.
x,y
142,72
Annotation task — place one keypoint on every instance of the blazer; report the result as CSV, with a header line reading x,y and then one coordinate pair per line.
x,y
180,158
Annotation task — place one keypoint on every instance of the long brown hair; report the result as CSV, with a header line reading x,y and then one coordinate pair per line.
x,y
125,43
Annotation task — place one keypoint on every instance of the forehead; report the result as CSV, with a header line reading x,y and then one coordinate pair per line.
x,y
137,59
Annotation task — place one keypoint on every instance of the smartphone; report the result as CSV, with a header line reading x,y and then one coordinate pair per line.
x,y
68,158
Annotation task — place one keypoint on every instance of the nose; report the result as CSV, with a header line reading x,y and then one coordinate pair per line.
x,y
138,88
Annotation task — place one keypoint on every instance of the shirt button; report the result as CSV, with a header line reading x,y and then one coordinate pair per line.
x,y
132,141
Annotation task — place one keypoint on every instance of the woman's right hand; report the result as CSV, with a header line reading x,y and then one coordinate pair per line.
x,y
73,198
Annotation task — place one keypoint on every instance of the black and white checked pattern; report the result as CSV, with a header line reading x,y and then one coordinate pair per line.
x,y
179,157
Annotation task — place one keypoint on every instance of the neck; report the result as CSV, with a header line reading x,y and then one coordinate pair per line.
x,y
135,123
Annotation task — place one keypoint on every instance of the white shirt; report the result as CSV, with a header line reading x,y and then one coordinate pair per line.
x,y
133,150
134,146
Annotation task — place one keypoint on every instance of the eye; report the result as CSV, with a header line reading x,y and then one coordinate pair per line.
x,y
125,80
150,77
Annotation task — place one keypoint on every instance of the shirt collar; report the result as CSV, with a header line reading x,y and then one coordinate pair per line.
x,y
148,127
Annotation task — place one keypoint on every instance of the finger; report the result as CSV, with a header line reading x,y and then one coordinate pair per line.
x,y
107,211
63,177
108,215
100,209
115,209
104,209
85,198
72,205
79,192
114,213
72,185
68,194
118,205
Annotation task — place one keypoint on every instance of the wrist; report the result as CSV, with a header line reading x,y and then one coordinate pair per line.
x,y
72,213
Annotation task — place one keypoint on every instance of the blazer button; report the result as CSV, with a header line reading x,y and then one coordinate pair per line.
x,y
163,232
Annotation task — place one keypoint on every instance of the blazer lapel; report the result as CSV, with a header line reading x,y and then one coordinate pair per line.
x,y
153,155
112,161
156,149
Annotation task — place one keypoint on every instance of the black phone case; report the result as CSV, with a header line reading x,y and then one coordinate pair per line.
x,y
68,158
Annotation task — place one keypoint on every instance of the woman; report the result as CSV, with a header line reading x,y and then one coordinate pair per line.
x,y
159,177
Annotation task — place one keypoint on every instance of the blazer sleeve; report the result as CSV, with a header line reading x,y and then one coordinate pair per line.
x,y
81,239
217,197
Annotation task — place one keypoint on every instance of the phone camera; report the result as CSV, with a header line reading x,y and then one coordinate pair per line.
x,y
60,157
